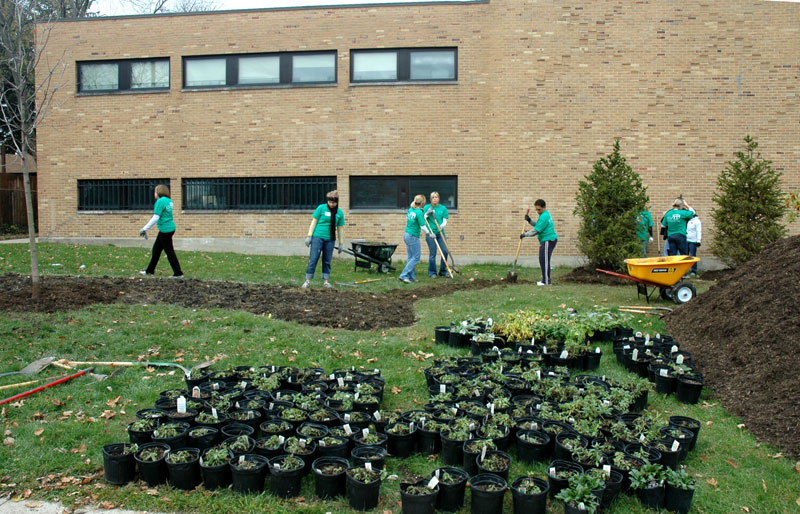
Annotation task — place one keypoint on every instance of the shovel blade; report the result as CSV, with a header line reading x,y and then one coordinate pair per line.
x,y
37,366
511,276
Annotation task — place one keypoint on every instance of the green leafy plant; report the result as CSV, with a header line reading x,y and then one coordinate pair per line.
x,y
215,457
291,463
152,454
648,475
528,485
200,431
364,475
331,469
418,490
168,430
295,445
181,456
269,443
579,495
680,479
241,444
143,425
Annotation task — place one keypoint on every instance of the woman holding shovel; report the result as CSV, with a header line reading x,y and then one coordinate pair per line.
x,y
436,215
545,231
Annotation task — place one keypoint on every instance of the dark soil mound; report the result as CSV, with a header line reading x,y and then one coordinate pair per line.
x,y
348,309
743,334
588,275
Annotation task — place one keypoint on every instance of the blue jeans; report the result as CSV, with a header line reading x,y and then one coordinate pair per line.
x,y
693,253
319,247
432,259
644,247
677,244
666,247
414,251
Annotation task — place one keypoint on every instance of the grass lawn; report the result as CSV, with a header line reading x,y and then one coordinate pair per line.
x,y
53,439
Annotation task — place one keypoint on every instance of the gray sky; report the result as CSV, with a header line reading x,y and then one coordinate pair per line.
x,y
115,7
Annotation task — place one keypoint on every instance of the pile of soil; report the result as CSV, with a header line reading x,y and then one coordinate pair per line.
x,y
588,275
743,335
348,309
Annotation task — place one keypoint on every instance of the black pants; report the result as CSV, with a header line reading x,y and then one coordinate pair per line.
x,y
678,245
545,254
164,242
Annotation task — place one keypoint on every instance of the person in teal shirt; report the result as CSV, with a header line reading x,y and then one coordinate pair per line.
x,y
644,229
162,217
415,225
675,221
326,221
545,231
436,213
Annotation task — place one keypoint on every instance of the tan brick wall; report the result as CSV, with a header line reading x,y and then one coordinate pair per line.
x,y
543,91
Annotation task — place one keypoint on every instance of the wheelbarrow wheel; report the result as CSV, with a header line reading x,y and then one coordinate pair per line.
x,y
683,292
384,267
666,294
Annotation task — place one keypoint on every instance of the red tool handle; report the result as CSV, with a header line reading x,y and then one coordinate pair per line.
x,y
40,388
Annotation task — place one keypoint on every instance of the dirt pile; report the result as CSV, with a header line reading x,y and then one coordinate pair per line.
x,y
342,308
743,334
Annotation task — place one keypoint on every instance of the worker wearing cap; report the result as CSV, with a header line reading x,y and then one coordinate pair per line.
x,y
675,221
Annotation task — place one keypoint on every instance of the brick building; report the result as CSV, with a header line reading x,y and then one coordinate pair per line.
x,y
253,115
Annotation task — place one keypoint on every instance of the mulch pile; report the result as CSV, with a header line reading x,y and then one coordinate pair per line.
x,y
743,334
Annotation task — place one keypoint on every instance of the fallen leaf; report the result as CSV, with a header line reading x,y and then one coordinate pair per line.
x,y
9,441
798,501
746,509
733,464
704,458
106,505
33,505
796,466
712,482
396,390
38,432
113,403
764,485
741,425
777,455
374,359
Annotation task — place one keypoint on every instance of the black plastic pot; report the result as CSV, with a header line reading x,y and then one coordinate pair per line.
x,y
334,450
592,360
364,454
236,453
363,496
204,441
400,445
452,451
530,503
119,467
469,461
331,485
185,475
531,452
669,458
442,334
487,502
178,441
216,477
685,439
678,500
153,473
140,438
501,473
418,503
690,423
459,340
652,497
562,452
612,490
689,388
428,443
159,415
284,483
253,421
249,480
665,384
451,496
556,483
236,429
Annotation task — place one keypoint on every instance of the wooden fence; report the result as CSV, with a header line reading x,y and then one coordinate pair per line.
x,y
12,200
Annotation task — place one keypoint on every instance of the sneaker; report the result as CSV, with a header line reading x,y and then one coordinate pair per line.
x,y
693,274
327,284
540,283
143,272
405,280
431,276
176,276
306,285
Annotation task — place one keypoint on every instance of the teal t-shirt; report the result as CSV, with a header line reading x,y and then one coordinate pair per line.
x,y
544,227
163,209
675,221
440,211
414,221
643,223
323,216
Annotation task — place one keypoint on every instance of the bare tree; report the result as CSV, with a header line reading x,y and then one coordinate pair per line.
x,y
165,6
22,42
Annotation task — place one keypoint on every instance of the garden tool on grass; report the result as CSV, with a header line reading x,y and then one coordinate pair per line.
x,y
45,386
511,276
32,368
357,282
439,248
67,364
444,239
645,308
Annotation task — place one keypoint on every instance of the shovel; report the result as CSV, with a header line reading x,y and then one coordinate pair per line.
x,y
67,364
449,253
511,276
32,368
439,248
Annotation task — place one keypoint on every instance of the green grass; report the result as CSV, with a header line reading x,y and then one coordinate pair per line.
x,y
74,417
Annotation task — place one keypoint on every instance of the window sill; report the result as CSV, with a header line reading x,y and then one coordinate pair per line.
x,y
115,211
247,211
389,210
265,86
125,92
406,83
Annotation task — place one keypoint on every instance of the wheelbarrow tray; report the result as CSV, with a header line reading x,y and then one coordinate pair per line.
x,y
367,253
661,271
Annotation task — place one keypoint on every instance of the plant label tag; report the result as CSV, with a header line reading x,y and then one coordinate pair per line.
x,y
533,340
411,425
529,352
626,347
664,372
421,422
241,459
603,378
646,338
544,349
347,429
597,350
638,334
331,377
273,368
368,466
436,473
642,438
477,393
581,506
181,404
519,351
472,426
281,439
483,453
365,433
606,403
491,408
674,348
215,386
454,410
564,355
321,443
377,415
607,469
242,385
340,381
679,359
277,466
278,395
250,414
433,482
538,374
535,425
553,472
214,413
442,388
195,392
302,443
356,396
675,445
501,370
635,354
347,417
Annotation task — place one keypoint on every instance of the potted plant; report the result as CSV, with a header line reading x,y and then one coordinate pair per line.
x,y
363,488
211,419
141,430
333,446
419,497
472,449
689,388
688,423
487,491
375,455
276,427
202,437
648,483
452,485
171,434
496,462
250,417
239,445
369,438
453,444
183,468
302,448
612,484
248,473
568,442
312,431
532,445
558,474
578,499
679,490
429,437
400,439
329,476
214,467
150,459
529,494
119,466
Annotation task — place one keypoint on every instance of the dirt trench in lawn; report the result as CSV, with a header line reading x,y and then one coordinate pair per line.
x,y
338,308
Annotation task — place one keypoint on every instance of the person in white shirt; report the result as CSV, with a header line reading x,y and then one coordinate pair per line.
x,y
694,233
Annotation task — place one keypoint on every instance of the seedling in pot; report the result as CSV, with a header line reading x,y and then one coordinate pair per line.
x,y
295,445
152,454
495,462
200,432
143,425
276,427
532,438
270,443
168,430
206,418
215,457
579,496
181,456
331,469
680,479
364,475
528,485
477,445
647,476
449,479
418,490
488,487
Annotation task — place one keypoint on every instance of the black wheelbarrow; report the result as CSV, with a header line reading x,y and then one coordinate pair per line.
x,y
368,253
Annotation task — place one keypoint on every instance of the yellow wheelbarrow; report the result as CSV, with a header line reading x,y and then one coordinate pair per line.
x,y
662,274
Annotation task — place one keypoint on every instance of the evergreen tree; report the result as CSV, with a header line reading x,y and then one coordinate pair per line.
x,y
608,202
750,208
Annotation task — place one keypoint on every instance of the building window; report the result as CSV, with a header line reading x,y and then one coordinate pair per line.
x,y
289,68
256,193
118,195
404,65
128,75
399,191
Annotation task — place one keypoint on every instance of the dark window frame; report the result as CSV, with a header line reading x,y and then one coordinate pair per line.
x,y
404,64
123,76
127,194
404,194
285,67
241,193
